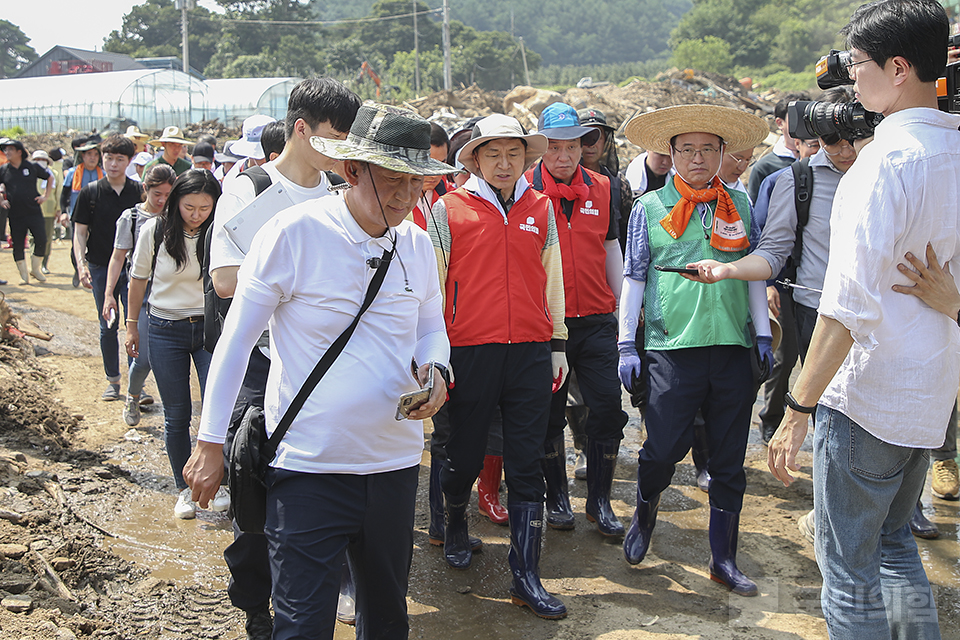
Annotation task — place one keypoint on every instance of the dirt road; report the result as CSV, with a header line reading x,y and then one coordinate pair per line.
x,y
96,500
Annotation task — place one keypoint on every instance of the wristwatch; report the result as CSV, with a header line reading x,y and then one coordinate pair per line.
x,y
796,406
444,372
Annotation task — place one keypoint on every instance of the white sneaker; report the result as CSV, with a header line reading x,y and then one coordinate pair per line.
x,y
131,412
185,509
221,501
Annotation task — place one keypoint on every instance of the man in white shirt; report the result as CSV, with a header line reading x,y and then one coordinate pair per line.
x,y
318,107
882,366
344,479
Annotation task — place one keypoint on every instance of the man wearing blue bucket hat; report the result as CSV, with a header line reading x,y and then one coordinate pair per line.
x,y
588,226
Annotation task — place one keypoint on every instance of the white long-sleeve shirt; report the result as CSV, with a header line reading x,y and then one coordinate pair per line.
x,y
900,378
306,273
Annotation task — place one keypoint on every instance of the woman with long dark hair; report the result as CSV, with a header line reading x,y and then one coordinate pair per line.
x,y
169,255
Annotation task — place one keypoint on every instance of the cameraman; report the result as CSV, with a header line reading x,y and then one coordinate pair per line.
x,y
883,367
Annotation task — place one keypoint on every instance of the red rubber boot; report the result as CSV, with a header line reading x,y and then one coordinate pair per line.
x,y
488,490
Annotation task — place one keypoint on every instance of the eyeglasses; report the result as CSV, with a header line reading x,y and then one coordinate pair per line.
x,y
739,161
838,149
850,65
706,153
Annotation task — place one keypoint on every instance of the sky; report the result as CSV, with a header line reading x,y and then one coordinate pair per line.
x,y
67,23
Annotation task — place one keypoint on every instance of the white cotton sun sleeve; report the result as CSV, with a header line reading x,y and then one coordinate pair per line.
x,y
759,310
631,303
229,365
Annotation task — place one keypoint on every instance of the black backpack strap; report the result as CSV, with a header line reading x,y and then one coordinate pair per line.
x,y
260,178
334,180
802,193
157,241
326,361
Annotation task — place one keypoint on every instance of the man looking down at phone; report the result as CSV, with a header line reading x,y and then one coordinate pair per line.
x,y
697,339
344,478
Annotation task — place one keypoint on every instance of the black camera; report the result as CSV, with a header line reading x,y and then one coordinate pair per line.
x,y
849,120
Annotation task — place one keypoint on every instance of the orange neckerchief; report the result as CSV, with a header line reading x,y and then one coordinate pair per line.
x,y
728,232
77,183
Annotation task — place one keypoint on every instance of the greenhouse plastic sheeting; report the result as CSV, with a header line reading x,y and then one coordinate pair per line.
x,y
231,100
151,98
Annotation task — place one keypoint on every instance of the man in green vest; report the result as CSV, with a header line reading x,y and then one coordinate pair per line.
x,y
698,339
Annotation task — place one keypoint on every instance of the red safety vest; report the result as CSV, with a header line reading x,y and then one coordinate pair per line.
x,y
496,283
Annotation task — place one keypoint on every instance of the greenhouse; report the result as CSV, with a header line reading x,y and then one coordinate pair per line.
x,y
151,98
231,100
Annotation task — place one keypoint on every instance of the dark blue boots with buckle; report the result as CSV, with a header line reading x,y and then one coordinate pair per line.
x,y
526,533
724,527
601,464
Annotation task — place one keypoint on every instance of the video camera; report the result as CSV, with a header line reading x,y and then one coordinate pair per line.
x,y
810,119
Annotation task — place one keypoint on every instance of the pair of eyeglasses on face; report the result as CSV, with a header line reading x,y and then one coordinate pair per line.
x,y
850,64
742,162
839,148
687,153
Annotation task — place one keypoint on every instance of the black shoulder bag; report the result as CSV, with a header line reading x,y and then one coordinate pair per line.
x,y
252,452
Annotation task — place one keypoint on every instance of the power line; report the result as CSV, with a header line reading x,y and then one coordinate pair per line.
x,y
314,23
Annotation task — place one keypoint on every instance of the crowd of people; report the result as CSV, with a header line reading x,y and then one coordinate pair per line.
x,y
525,281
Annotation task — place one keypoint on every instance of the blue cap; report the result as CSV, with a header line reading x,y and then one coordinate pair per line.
x,y
559,121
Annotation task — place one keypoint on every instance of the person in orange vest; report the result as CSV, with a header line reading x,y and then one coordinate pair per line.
x,y
588,225
500,270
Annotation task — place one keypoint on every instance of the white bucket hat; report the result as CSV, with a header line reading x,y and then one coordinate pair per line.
x,y
501,126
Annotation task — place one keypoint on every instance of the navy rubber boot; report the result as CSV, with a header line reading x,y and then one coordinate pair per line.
x,y
456,541
526,533
724,527
559,511
601,464
637,540
435,532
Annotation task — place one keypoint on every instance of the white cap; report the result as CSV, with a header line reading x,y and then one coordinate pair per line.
x,y
248,146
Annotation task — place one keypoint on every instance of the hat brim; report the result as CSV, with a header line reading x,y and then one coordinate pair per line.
x,y
136,136
654,130
223,157
776,331
88,147
602,125
157,141
400,159
572,133
536,147
248,149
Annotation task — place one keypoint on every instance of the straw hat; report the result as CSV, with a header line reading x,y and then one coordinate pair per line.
x,y
653,130
390,137
501,126
170,134
134,133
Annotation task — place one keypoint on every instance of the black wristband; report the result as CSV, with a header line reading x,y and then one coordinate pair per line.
x,y
444,372
958,318
796,406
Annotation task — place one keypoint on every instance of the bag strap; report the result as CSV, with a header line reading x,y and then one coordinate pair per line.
x,y
326,361
260,178
802,192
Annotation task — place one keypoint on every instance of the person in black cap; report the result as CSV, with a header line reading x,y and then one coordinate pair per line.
x,y
22,201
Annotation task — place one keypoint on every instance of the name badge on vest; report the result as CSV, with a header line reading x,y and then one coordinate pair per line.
x,y
26,172
729,230
530,226
588,210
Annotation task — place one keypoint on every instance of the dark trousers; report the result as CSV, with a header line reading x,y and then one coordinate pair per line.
x,y
109,341
517,378
718,381
806,320
784,359
313,520
19,225
592,354
441,433
247,556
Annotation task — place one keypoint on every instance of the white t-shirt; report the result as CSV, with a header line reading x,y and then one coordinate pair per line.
x,y
307,272
176,293
224,252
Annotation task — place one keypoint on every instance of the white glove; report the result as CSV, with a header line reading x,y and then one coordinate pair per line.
x,y
559,361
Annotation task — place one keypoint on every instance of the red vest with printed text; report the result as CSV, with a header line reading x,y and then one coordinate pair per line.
x,y
496,283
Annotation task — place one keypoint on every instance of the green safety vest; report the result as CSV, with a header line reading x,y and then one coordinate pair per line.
x,y
681,313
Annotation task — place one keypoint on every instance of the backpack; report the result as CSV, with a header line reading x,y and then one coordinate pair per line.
x,y
802,192
215,308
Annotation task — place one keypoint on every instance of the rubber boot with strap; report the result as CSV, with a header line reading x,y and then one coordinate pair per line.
x,y
526,534
601,464
559,511
488,490
724,527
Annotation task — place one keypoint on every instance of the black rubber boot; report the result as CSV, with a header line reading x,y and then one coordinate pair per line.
x,y
601,463
637,540
526,533
456,541
701,453
435,492
921,527
259,625
724,527
559,511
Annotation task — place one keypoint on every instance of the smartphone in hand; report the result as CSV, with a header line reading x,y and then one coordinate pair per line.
x,y
683,270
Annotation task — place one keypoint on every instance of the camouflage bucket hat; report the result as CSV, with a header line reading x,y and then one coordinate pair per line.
x,y
390,137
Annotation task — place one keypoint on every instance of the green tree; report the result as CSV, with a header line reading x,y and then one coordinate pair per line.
x,y
386,37
708,54
15,53
152,29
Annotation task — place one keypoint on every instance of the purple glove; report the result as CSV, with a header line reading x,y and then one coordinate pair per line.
x,y
765,349
630,365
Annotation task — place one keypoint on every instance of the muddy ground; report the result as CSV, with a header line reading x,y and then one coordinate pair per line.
x,y
95,502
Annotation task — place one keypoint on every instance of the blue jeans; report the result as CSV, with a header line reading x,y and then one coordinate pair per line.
x,y
109,343
865,491
173,343
140,366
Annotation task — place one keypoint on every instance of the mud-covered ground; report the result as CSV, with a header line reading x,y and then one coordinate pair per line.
x,y
90,548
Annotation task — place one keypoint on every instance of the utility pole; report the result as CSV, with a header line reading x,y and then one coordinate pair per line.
x,y
513,81
526,72
184,5
416,49
447,74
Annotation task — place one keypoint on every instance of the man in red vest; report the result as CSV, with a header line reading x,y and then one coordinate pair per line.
x,y
588,226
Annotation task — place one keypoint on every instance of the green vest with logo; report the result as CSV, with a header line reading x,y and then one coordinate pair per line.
x,y
681,313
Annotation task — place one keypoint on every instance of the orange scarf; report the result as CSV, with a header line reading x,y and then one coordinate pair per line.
x,y
77,183
728,232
